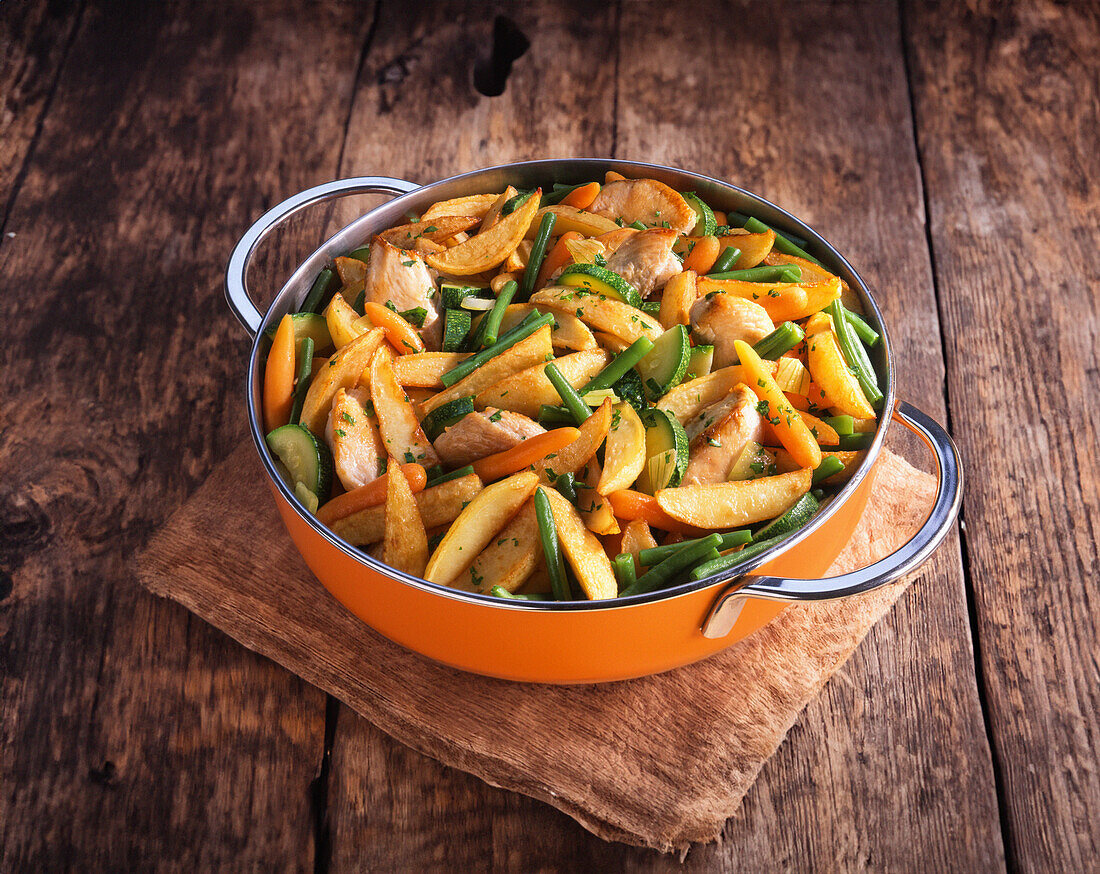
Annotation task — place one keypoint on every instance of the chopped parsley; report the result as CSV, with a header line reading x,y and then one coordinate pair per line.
x,y
495,417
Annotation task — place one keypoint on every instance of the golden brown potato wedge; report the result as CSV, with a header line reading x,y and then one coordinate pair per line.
x,y
527,390
624,455
351,270
477,525
439,505
569,218
721,506
405,542
600,313
677,300
526,353
426,369
398,424
510,557
434,230
570,459
830,371
754,247
475,205
582,549
342,370
636,537
594,509
689,399
569,332
343,322
489,249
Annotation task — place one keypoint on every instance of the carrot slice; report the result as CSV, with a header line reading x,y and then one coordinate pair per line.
x,y
582,197
279,376
531,450
703,255
556,258
370,495
792,432
402,336
721,218
630,505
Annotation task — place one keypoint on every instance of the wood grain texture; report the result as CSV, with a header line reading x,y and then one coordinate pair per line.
x,y
1007,101
35,38
132,736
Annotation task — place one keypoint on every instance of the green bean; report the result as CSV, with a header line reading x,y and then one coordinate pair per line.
x,y
501,592
554,415
434,480
775,273
830,466
782,339
624,570
725,562
664,573
360,302
566,483
657,554
867,334
514,203
488,329
301,386
538,254
520,332
850,442
573,401
551,547
854,353
725,261
324,282
619,365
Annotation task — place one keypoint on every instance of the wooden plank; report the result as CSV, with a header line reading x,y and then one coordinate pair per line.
x,y
34,41
389,807
132,736
890,768
1006,101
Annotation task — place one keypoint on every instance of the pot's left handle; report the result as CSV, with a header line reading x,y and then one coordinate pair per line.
x,y
236,271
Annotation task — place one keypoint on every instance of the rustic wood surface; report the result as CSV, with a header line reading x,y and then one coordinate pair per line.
x,y
948,148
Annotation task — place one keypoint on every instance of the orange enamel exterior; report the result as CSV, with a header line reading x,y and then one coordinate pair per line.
x,y
584,646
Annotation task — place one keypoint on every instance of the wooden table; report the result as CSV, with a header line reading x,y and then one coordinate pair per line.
x,y
951,149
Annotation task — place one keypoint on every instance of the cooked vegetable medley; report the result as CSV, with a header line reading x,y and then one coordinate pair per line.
x,y
599,391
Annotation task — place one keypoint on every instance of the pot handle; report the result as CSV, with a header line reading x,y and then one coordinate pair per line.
x,y
727,607
236,271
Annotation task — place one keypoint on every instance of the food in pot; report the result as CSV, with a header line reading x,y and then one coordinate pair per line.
x,y
598,391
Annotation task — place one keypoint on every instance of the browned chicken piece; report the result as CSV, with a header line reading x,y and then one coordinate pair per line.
x,y
719,319
647,201
353,437
479,434
721,433
645,260
401,277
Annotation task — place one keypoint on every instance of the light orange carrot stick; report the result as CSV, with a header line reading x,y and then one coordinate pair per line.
x,y
789,427
556,258
582,197
493,467
629,505
399,332
370,495
279,376
703,255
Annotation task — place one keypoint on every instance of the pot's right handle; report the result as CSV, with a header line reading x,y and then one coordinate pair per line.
x,y
722,616
236,271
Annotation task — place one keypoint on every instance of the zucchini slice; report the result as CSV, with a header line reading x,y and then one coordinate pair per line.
x,y
453,293
796,517
601,281
312,325
700,362
666,449
706,224
447,414
305,459
456,327
666,363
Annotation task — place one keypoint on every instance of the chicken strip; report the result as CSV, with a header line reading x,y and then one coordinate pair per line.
x,y
718,319
721,433
479,434
647,201
353,437
645,260
401,277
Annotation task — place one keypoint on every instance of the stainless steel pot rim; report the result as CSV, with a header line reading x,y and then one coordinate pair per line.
x,y
552,170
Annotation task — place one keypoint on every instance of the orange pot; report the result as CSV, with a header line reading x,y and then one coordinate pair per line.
x,y
582,642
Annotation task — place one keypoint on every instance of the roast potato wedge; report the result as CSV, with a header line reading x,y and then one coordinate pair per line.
x,y
721,506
